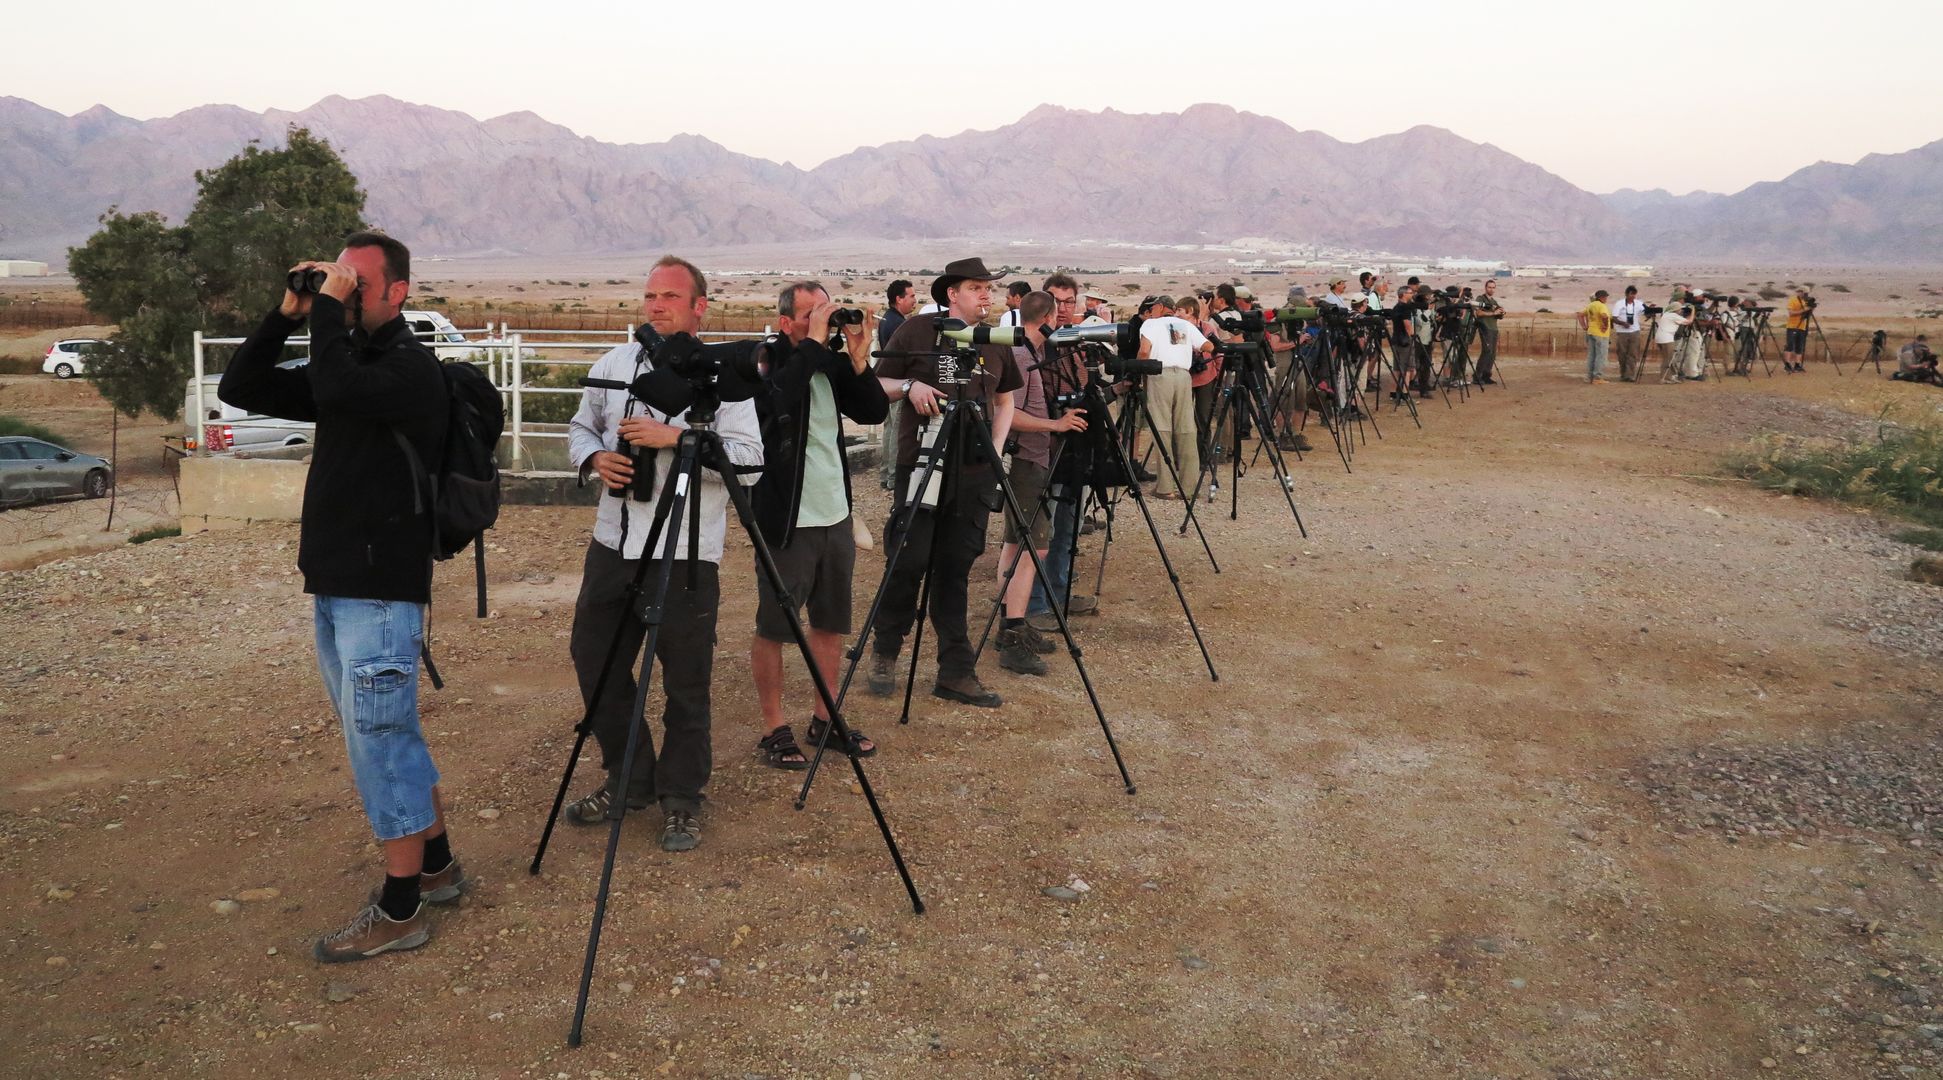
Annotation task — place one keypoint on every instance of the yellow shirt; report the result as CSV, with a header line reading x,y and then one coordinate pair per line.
x,y
1598,319
1797,314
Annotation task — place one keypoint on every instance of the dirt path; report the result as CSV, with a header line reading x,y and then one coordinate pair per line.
x,y
1406,833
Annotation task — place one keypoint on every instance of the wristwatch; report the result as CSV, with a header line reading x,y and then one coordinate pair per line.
x,y
905,390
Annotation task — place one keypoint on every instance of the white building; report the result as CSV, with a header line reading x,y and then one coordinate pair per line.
x,y
22,268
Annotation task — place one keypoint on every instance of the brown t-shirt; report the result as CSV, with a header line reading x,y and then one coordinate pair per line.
x,y
997,374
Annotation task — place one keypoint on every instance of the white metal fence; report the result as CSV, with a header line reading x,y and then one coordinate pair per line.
x,y
505,353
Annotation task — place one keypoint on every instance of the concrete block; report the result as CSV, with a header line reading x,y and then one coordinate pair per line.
x,y
229,493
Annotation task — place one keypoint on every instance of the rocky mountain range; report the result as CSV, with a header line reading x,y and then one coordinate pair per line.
x,y
519,184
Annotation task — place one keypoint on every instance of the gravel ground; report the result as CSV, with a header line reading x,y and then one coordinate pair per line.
x,y
1437,817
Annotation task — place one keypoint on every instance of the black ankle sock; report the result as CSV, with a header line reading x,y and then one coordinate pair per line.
x,y
438,853
1012,624
400,898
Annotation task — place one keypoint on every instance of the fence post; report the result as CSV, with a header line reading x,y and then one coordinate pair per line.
x,y
202,440
519,380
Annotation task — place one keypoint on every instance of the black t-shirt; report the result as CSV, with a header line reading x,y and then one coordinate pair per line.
x,y
997,373
1400,316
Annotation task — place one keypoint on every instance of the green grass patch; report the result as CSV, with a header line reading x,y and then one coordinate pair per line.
x,y
1897,468
14,425
160,532
1932,539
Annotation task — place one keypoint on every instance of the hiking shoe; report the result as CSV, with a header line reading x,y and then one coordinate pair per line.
x,y
883,674
1083,605
1016,656
680,831
1038,642
966,690
593,807
1043,622
371,932
443,887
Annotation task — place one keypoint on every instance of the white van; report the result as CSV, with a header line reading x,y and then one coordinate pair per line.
x,y
224,427
438,332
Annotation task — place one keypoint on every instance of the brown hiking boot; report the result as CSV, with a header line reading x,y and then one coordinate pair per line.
x,y
443,887
372,932
1038,642
966,690
1016,656
883,674
1083,605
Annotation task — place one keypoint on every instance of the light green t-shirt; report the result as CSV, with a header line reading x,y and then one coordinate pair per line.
x,y
823,502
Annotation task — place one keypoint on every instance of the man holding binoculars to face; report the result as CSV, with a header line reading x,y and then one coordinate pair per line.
x,y
366,554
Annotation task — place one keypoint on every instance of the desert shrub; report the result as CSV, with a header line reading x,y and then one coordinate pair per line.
x,y
550,408
159,532
14,425
1769,292
1932,539
1897,468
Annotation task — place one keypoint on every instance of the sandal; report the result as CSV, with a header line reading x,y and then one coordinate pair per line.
x,y
779,750
860,744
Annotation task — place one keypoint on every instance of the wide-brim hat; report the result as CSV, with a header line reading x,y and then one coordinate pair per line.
x,y
961,270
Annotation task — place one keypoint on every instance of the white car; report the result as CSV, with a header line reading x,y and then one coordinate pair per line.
x,y
66,359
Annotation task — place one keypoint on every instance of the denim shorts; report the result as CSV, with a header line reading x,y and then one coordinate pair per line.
x,y
367,652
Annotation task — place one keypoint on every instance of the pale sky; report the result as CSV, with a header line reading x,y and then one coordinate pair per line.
x,y
1711,95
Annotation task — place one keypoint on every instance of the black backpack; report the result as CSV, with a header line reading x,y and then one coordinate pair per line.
x,y
465,489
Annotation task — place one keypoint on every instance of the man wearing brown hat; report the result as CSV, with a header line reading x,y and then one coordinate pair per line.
x,y
949,536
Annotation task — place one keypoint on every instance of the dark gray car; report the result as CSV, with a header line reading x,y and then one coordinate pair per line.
x,y
35,471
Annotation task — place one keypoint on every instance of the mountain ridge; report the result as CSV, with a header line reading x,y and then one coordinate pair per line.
x,y
454,184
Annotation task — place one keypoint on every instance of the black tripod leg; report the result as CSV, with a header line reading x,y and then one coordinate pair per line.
x,y
686,469
1281,473
1175,578
586,725
1005,581
984,433
1180,488
1216,417
766,563
917,628
902,521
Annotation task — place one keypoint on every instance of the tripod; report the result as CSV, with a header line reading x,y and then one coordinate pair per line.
x,y
1692,336
1815,325
1133,410
1874,356
1091,475
1747,345
698,445
1245,382
962,432
1326,374
1340,364
1451,370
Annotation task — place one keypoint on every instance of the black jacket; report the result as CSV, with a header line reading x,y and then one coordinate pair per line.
x,y
783,405
360,536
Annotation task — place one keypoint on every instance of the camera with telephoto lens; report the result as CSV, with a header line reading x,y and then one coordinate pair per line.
x,y
1652,311
1809,302
684,376
1122,338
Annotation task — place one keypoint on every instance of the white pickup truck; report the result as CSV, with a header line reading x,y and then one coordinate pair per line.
x,y
222,427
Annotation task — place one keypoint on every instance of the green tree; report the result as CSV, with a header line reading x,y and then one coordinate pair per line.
x,y
217,272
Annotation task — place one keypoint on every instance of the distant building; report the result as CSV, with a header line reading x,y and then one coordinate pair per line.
x,y
22,268
1529,271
